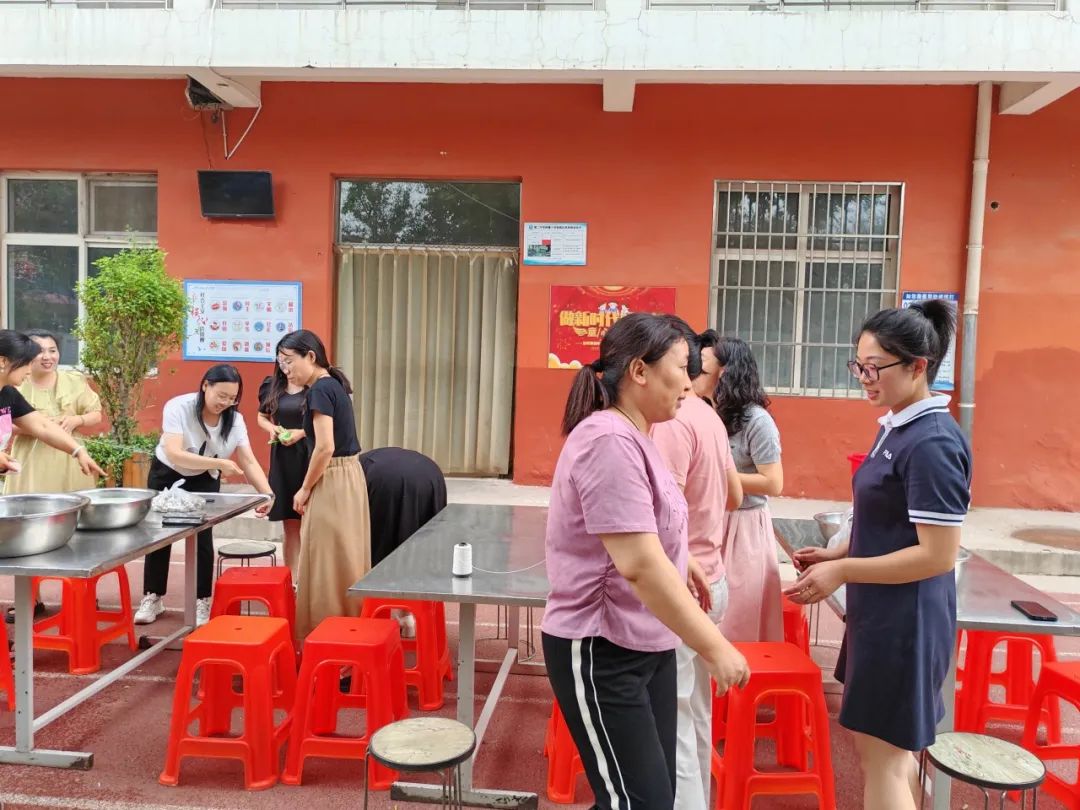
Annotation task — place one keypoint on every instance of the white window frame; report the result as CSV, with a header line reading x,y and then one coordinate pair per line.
x,y
802,255
84,239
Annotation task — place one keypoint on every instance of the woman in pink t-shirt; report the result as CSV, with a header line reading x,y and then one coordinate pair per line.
x,y
616,553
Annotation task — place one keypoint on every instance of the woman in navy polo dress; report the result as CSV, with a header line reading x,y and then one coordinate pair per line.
x,y
911,496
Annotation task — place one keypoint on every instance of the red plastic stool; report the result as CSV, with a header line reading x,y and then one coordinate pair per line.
x,y
432,664
270,586
780,670
372,648
788,728
78,623
796,627
260,648
856,460
1057,680
7,680
974,706
564,762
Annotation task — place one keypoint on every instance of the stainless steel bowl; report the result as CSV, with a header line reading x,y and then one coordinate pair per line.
x,y
829,523
114,508
36,524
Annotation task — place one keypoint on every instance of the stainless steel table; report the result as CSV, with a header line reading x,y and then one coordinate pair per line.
x,y
87,555
983,596
506,539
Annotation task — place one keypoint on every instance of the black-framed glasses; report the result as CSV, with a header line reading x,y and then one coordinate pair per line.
x,y
869,371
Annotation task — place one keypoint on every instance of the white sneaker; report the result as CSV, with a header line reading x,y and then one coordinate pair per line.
x,y
407,622
149,609
202,611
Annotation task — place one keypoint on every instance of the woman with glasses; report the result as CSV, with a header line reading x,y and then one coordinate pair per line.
x,y
335,527
753,572
911,496
281,415
200,433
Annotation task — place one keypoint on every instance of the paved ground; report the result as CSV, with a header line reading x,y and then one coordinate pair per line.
x,y
126,725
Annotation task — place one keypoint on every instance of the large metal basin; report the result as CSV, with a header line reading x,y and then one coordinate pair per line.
x,y
36,524
115,508
829,523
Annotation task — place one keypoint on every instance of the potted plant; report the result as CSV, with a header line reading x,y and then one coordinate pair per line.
x,y
132,317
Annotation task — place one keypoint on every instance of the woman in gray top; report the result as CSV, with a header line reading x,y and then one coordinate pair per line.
x,y
754,610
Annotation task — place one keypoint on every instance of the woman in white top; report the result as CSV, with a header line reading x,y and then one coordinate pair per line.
x,y
199,434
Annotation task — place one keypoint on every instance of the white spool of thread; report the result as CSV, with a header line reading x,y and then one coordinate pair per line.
x,y
462,560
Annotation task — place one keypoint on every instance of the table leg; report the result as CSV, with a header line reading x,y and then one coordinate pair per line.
x,y
942,784
513,629
467,679
190,586
24,666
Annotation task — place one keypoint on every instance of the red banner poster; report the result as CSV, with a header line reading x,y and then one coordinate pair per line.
x,y
581,315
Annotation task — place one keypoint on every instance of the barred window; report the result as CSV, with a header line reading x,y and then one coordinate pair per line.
x,y
796,269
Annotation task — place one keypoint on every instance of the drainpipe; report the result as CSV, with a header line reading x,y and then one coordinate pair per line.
x,y
980,169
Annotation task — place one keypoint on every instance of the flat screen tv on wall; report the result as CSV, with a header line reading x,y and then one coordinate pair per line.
x,y
236,195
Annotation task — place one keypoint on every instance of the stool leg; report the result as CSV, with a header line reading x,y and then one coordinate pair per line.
x,y
366,758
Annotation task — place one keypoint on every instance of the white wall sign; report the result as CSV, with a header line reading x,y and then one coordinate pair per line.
x,y
562,243
239,320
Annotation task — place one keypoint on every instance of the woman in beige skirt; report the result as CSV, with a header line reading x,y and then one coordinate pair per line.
x,y
335,530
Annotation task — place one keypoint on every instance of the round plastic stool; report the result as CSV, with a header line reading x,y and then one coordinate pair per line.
x,y
425,744
245,551
990,764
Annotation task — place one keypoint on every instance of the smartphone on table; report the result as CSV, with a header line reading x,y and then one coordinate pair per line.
x,y
1034,611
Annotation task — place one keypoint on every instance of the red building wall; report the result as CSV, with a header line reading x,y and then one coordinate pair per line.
x,y
644,183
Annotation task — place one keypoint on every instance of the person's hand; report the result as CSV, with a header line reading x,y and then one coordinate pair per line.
x,y
811,555
229,467
8,464
263,509
70,423
290,437
816,583
698,584
88,466
728,669
300,500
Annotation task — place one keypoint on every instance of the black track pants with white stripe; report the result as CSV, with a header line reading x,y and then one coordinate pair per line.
x,y
620,706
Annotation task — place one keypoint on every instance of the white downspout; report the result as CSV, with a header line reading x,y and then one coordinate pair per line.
x,y
973,277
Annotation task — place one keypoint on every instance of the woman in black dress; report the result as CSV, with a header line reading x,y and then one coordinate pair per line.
x,y
406,489
911,496
281,414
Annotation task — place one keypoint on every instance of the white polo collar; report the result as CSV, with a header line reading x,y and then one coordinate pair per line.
x,y
934,404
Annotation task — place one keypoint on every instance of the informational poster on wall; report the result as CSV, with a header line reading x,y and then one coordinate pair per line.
x,y
580,316
239,320
556,243
946,376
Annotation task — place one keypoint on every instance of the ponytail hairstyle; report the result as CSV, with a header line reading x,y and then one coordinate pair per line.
x,y
17,348
924,330
279,386
739,386
596,386
303,342
222,373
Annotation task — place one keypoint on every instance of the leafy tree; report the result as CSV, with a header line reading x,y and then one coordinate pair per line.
x,y
134,316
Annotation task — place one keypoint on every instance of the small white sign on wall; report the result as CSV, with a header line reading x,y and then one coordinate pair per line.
x,y
556,243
